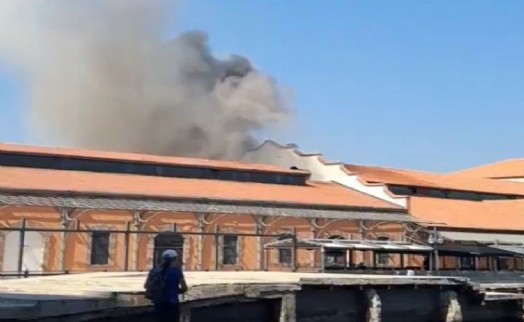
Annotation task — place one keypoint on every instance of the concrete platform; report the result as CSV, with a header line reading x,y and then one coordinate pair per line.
x,y
102,285
75,294
502,296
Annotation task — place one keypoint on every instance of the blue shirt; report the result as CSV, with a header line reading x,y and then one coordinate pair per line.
x,y
172,284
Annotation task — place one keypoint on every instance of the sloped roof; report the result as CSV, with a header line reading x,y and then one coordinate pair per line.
x,y
504,169
25,180
145,159
487,215
436,181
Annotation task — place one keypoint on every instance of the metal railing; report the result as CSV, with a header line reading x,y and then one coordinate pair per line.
x,y
128,250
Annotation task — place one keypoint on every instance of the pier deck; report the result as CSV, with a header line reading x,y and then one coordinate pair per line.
x,y
100,295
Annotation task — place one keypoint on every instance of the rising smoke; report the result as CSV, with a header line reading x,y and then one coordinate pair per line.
x,y
102,76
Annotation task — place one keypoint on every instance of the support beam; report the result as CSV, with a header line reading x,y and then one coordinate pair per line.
x,y
374,306
451,310
288,308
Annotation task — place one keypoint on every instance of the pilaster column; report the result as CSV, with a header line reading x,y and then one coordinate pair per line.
x,y
65,219
135,239
259,229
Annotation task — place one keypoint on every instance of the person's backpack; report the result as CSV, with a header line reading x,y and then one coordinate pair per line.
x,y
155,284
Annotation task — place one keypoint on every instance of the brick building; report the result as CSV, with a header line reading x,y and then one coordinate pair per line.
x,y
89,210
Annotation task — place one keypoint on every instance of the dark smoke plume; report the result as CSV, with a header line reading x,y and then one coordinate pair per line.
x,y
102,75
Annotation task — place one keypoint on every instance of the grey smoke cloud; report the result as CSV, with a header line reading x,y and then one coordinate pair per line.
x,y
102,76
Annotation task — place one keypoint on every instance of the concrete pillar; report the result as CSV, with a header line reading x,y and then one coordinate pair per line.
x,y
185,314
374,306
450,307
288,308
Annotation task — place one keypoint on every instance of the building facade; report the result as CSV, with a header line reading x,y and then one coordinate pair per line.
x,y
480,207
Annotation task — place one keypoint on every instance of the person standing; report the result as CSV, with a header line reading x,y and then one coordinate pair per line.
x,y
163,286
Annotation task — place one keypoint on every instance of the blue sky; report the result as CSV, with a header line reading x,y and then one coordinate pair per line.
x,y
430,85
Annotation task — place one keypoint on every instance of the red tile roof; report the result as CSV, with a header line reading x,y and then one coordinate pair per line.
x,y
499,170
146,159
487,215
435,181
102,184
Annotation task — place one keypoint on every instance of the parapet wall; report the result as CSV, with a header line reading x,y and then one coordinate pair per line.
x,y
288,156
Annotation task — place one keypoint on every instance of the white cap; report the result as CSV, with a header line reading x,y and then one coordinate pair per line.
x,y
169,254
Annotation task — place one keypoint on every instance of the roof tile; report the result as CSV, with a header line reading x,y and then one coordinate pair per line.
x,y
486,215
504,169
436,181
103,184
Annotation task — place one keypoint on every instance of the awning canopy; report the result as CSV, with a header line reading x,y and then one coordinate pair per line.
x,y
346,244
474,250
486,238
510,248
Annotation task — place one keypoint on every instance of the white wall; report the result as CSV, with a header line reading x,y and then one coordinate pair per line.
x,y
33,257
274,154
521,180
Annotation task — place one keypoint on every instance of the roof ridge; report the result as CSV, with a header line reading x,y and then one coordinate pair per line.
x,y
393,169
458,172
144,158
